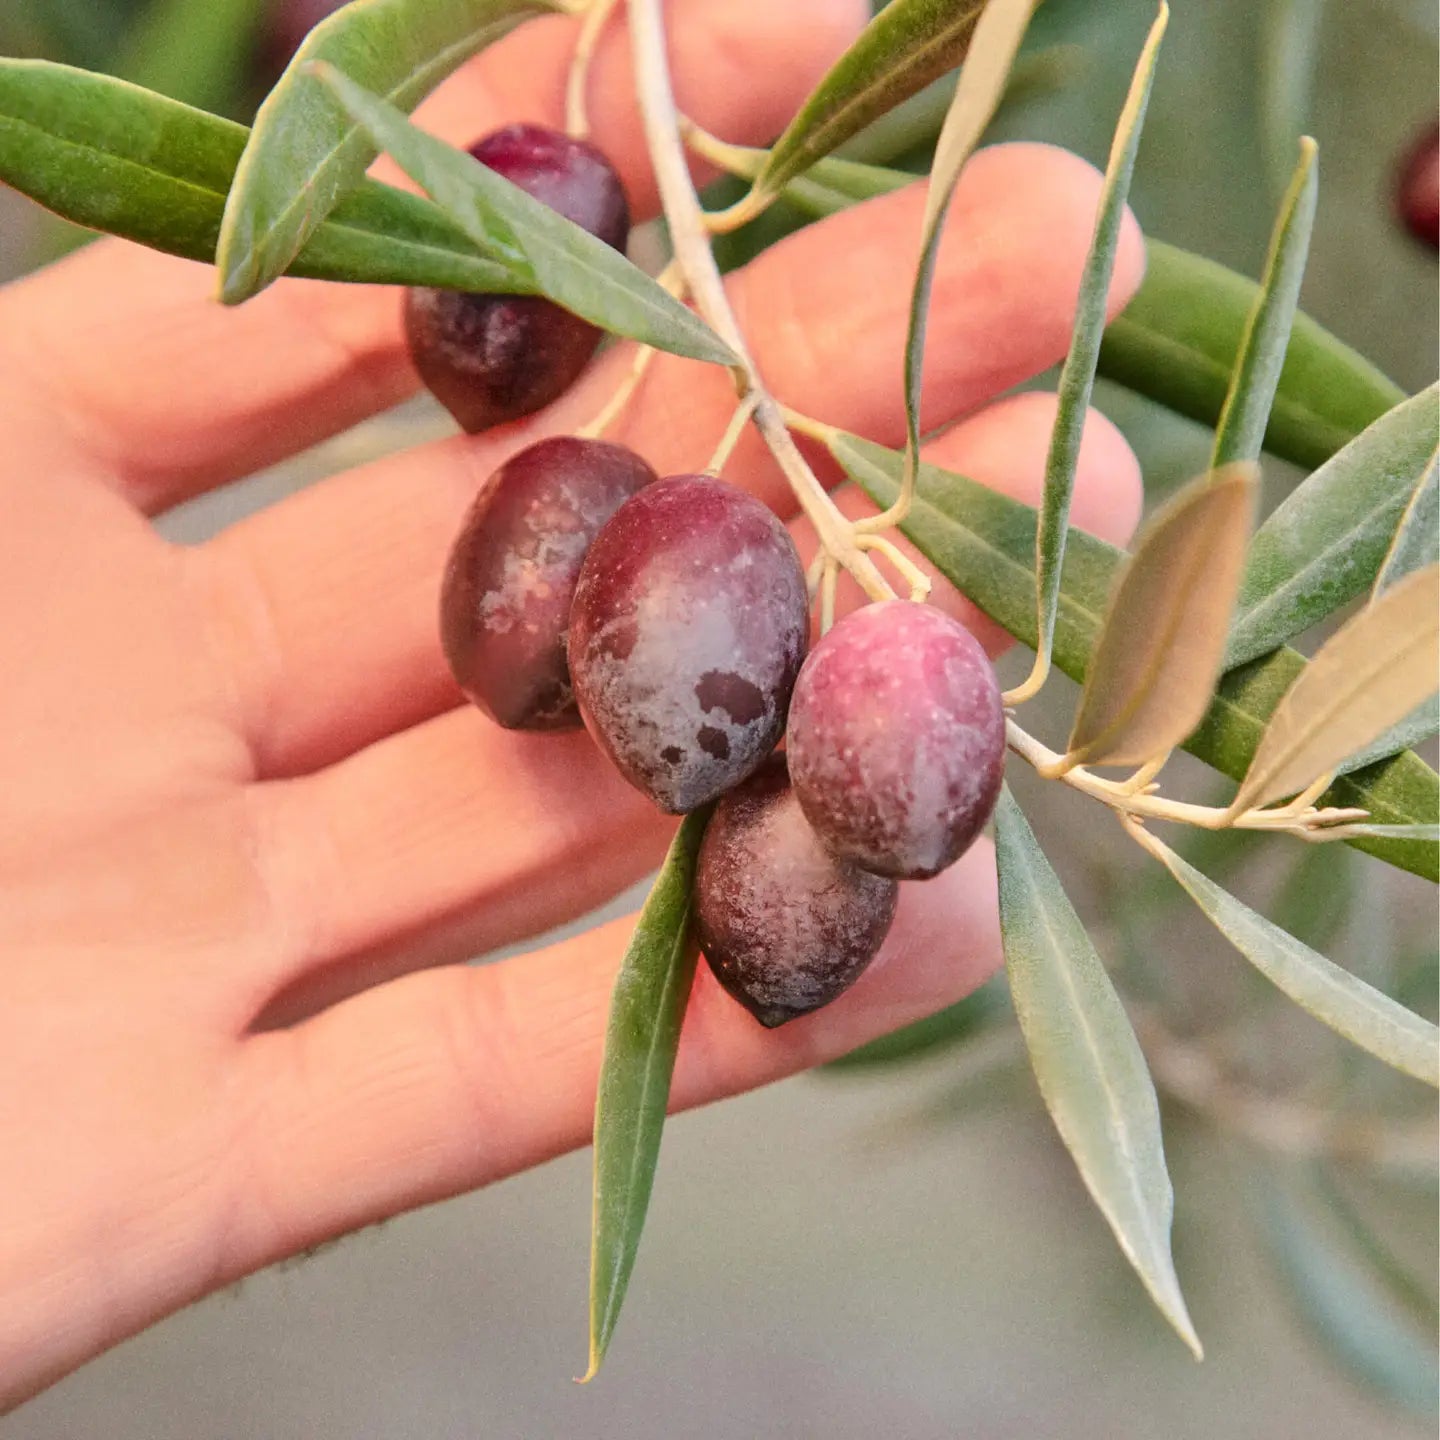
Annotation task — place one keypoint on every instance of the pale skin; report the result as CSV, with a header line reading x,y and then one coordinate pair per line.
x,y
249,829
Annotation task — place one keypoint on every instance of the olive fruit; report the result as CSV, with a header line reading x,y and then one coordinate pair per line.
x,y
505,600
785,926
688,628
897,739
1417,199
490,359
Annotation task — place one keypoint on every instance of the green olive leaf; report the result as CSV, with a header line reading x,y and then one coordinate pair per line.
x,y
559,259
1417,536
984,543
1370,674
997,39
306,152
110,156
1153,670
1328,540
906,46
1077,376
641,1040
1362,1014
1240,430
1178,339
1087,1061
1346,1306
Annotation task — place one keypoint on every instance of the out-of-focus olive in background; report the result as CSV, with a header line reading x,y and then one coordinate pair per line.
x,y
903,1247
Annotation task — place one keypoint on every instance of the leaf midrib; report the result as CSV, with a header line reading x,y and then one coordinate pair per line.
x,y
244,262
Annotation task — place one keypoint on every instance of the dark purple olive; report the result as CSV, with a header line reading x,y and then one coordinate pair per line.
x,y
688,628
897,739
505,601
1417,197
490,359
785,926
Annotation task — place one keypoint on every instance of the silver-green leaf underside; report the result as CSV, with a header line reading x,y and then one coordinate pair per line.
x,y
1362,1014
1240,431
1077,376
1091,1071
557,258
641,1039
1329,539
305,152
996,42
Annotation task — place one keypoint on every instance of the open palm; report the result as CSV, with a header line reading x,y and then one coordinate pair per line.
x,y
244,807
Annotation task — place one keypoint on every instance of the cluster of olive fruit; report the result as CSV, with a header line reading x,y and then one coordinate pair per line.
x,y
671,617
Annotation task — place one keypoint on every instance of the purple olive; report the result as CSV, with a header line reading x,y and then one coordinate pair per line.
x,y
785,926
1417,199
490,359
688,628
897,739
505,601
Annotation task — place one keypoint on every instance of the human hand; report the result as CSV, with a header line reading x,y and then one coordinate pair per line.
x,y
244,807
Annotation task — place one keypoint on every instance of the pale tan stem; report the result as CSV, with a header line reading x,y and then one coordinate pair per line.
x,y
731,438
691,241
910,572
1118,797
577,119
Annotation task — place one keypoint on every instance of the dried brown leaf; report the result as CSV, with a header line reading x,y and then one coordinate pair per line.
x,y
1158,657
1370,674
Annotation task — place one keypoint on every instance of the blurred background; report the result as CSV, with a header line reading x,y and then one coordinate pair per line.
x,y
900,1244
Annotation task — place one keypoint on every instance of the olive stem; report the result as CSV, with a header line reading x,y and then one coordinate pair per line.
x,y
731,438
1310,824
910,572
577,119
691,241
594,428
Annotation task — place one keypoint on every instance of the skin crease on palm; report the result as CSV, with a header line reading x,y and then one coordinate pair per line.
x,y
246,816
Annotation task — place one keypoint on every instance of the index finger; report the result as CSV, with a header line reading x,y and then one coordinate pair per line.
x,y
164,394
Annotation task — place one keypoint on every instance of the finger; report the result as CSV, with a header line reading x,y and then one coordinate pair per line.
x,y
449,840
157,386
1005,446
442,1082
352,567
388,860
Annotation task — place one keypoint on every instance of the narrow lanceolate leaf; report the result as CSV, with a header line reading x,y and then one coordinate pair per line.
x,y
906,46
1362,1014
1077,377
1417,536
1240,431
1370,674
1328,540
559,259
1397,832
1087,1060
1153,671
306,152
982,82
641,1039
113,157
984,543
1178,339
